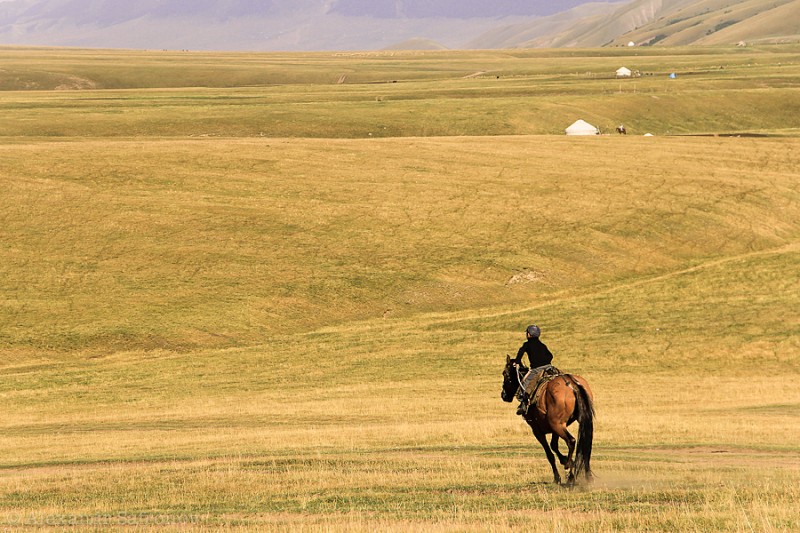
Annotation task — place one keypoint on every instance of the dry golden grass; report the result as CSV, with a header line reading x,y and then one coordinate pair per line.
x,y
382,454
308,334
198,243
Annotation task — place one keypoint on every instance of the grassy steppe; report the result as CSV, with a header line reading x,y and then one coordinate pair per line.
x,y
391,94
306,331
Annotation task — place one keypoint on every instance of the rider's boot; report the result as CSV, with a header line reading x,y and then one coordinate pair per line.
x,y
523,404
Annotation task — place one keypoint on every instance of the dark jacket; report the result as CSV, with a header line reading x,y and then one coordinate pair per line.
x,y
537,351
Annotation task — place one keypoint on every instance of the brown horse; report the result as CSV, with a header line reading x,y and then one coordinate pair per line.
x,y
565,399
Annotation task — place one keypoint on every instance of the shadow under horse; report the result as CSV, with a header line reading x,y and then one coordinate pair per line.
x,y
565,399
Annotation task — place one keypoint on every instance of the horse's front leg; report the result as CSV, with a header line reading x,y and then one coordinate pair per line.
x,y
554,446
542,438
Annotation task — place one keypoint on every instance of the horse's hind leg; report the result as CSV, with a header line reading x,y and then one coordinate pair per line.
x,y
561,431
542,438
554,446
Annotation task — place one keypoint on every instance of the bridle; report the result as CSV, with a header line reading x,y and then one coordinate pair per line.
x,y
519,376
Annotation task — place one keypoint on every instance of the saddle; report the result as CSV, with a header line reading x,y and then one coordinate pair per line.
x,y
536,386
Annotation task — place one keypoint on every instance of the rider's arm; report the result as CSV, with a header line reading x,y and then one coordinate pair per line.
x,y
521,351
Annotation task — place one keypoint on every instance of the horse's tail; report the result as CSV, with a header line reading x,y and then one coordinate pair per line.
x,y
585,417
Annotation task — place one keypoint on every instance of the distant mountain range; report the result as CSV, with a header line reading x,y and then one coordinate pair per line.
x,y
657,23
378,24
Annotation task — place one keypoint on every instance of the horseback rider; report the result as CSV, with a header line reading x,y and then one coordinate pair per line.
x,y
539,356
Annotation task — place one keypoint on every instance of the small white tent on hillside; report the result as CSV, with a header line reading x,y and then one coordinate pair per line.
x,y
581,127
624,72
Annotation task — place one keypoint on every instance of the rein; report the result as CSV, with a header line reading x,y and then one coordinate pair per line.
x,y
521,388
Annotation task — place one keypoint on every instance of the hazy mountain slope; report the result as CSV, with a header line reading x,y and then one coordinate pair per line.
x,y
713,21
115,11
459,9
592,29
669,22
417,44
105,11
259,24
782,22
541,31
379,24
288,32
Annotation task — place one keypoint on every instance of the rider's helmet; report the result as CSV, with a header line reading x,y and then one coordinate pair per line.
x,y
533,331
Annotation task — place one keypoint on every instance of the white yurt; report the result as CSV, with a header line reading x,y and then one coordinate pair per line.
x,y
624,72
581,127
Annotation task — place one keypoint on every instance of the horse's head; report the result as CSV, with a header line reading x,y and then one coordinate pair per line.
x,y
510,380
